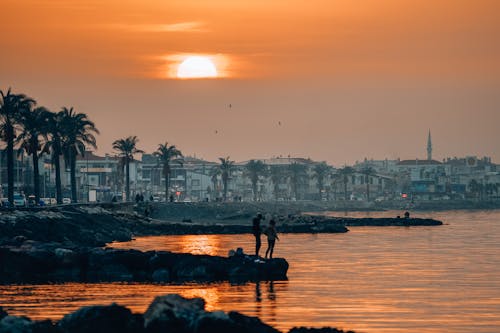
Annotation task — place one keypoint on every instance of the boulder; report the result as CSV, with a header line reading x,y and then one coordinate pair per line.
x,y
173,313
250,324
101,319
11,324
65,256
217,321
317,330
3,313
161,275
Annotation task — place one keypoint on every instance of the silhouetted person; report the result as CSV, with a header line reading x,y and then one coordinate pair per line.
x,y
407,215
272,236
257,231
137,198
171,198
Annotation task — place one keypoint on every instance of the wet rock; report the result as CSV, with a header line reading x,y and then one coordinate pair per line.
x,y
11,324
45,326
65,256
105,319
3,313
217,321
250,324
112,272
173,313
317,330
161,275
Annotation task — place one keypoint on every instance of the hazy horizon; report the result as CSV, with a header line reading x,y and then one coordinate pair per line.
x,y
328,80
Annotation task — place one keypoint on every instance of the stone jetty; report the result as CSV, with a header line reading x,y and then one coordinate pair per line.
x,y
35,262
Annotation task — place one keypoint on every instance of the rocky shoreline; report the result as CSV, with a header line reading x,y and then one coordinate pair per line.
x,y
94,226
168,313
35,262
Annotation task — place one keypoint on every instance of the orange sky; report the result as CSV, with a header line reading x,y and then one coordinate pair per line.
x,y
347,79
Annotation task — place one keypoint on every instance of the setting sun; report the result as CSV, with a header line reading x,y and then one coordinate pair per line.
x,y
196,67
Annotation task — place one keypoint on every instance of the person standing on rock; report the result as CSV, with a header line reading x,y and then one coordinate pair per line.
x,y
272,236
256,230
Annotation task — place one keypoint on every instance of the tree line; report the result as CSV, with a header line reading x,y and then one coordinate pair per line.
x,y
36,131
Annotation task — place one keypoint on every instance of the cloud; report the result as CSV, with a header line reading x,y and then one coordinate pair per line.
x,y
193,26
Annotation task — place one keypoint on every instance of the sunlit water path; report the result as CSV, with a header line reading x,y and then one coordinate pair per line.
x,y
371,279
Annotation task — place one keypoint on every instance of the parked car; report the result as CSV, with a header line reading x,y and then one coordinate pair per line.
x,y
5,203
31,200
19,200
66,200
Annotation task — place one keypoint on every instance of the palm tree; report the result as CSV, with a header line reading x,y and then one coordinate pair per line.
x,y
10,107
321,170
78,133
55,130
166,155
476,188
255,169
33,135
214,175
277,174
126,149
368,172
344,173
226,166
297,175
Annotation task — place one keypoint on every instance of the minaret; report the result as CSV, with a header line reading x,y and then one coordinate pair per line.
x,y
429,147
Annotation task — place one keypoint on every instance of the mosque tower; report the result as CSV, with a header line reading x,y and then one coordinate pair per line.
x,y
429,147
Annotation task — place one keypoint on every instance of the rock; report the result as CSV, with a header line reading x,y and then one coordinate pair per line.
x,y
11,324
101,319
44,326
161,275
65,256
317,330
217,321
250,324
3,313
18,240
113,272
173,313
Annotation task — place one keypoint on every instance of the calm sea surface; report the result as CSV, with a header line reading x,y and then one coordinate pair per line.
x,y
371,279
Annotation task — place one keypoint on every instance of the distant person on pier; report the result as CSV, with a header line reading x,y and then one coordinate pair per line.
x,y
257,231
272,236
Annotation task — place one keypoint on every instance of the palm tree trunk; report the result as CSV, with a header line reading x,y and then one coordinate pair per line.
x,y
367,190
320,188
345,190
254,188
167,185
57,167
72,166
36,178
127,180
10,162
225,189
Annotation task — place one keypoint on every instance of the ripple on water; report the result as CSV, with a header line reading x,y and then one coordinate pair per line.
x,y
371,279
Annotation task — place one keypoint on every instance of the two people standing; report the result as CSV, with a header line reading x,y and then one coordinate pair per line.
x,y
269,231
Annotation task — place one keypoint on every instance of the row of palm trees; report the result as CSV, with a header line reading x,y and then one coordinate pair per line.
x,y
295,173
167,154
36,131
